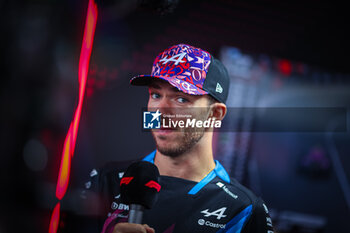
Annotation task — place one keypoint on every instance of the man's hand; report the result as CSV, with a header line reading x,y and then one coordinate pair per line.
x,y
132,228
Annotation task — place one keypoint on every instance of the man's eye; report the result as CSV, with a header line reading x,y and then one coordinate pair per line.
x,y
182,100
155,95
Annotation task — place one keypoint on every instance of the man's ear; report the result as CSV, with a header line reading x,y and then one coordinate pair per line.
x,y
218,111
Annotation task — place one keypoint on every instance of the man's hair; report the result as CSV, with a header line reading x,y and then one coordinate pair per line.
x,y
212,100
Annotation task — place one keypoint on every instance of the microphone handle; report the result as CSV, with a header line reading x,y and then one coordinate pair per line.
x,y
135,213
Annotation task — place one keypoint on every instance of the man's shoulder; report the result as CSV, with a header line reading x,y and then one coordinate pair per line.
x,y
107,175
243,189
115,166
237,191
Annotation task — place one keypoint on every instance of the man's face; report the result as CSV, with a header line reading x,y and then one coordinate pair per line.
x,y
174,141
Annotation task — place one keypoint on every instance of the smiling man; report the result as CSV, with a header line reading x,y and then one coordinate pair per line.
x,y
183,152
197,193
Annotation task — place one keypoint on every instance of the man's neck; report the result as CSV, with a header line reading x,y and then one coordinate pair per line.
x,y
193,165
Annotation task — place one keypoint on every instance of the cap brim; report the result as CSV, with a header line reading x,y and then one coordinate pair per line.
x,y
181,85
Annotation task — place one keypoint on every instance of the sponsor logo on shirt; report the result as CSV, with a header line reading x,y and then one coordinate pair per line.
x,y
203,222
219,213
116,215
265,208
93,173
221,185
120,175
88,185
269,221
119,206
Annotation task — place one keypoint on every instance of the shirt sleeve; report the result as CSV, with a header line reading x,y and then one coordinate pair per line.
x,y
260,220
82,207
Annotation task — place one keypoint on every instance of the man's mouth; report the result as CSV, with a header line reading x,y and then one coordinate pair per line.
x,y
164,131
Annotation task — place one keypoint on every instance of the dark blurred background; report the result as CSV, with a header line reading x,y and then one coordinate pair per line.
x,y
278,53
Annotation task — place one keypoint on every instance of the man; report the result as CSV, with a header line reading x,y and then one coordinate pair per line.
x,y
197,194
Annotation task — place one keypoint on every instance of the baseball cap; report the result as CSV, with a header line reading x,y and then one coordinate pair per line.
x,y
191,70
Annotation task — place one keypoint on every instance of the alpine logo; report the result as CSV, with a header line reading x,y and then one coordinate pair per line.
x,y
221,185
176,58
219,213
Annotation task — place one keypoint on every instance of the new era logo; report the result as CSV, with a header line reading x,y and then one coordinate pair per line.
x,y
218,88
151,120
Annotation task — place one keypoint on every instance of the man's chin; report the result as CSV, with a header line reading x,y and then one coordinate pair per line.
x,y
166,136
175,143
172,149
170,152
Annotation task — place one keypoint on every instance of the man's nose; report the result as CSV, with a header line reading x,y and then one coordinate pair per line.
x,y
165,106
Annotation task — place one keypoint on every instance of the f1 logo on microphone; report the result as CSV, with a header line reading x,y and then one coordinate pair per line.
x,y
126,180
153,184
151,120
150,184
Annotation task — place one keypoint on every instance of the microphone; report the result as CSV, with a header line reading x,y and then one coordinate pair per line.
x,y
139,188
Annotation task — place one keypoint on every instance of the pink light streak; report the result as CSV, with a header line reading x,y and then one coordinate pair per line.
x,y
70,140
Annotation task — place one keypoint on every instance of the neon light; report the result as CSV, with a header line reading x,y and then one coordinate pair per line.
x,y
285,67
70,140
64,172
55,218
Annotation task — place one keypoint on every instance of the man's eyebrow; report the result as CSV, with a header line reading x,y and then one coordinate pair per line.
x,y
175,89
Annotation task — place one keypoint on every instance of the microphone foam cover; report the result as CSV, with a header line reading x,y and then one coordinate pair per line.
x,y
140,184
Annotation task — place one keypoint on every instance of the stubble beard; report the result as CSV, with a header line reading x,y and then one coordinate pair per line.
x,y
187,140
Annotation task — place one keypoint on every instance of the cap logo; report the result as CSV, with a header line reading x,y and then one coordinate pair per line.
x,y
176,58
184,67
218,88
